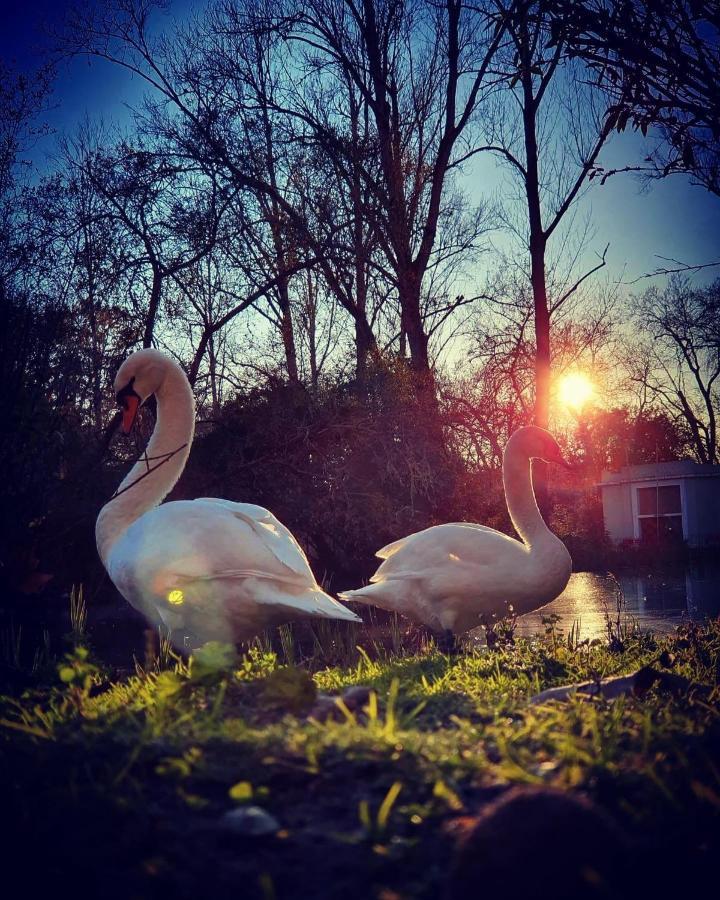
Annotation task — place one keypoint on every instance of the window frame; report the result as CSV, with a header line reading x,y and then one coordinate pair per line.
x,y
636,487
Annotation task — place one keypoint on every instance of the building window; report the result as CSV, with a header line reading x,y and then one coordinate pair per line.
x,y
660,513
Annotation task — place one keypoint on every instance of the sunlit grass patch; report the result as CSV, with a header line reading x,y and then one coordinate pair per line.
x,y
369,781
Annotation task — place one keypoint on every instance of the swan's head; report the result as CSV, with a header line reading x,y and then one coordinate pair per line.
x,y
140,376
536,443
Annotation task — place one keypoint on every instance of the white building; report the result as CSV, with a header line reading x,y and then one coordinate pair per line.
x,y
676,501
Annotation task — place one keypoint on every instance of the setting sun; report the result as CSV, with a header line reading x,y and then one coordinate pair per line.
x,y
575,390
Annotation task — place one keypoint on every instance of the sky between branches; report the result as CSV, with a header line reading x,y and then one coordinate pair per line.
x,y
671,218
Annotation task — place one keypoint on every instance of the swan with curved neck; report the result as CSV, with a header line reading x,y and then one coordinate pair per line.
x,y
448,576
208,569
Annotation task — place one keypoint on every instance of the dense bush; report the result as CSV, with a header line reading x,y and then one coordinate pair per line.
x,y
348,468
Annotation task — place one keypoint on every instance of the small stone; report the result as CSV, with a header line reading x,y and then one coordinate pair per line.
x,y
252,821
357,696
324,708
289,688
160,747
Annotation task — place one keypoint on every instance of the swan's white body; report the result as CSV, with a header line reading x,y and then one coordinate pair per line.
x,y
448,576
207,569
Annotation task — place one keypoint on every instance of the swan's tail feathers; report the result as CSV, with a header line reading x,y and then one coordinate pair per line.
x,y
382,594
312,602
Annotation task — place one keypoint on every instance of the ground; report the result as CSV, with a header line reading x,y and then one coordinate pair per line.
x,y
125,785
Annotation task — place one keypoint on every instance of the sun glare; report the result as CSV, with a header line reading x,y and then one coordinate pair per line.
x,y
575,390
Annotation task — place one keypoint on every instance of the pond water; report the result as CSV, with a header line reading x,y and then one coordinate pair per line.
x,y
658,601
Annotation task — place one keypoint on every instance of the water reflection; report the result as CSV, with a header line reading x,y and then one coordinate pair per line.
x,y
658,601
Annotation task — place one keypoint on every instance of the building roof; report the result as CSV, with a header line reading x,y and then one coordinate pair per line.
x,y
660,471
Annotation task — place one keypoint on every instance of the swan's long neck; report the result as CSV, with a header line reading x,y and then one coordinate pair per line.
x,y
170,440
520,498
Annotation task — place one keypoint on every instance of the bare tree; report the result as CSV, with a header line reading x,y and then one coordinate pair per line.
x,y
679,366
495,389
420,71
169,206
324,340
22,99
660,59
91,254
548,129
417,71
211,91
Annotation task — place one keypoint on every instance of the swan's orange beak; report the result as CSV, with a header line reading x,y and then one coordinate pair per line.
x,y
130,408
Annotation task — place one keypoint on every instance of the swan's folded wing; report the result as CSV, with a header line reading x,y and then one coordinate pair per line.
x,y
474,525
187,540
389,549
277,590
443,548
274,535
439,531
212,569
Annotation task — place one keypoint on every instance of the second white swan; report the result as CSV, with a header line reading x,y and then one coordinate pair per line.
x,y
207,569
448,576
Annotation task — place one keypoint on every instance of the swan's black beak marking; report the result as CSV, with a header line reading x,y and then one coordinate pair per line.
x,y
129,400
555,456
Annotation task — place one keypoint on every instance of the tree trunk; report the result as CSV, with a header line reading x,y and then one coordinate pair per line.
x,y
537,270
286,329
694,425
542,338
364,338
402,346
154,305
212,371
311,312
95,358
414,328
537,249
95,361
364,346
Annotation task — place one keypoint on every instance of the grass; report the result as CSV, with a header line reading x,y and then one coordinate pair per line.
x,y
78,615
121,785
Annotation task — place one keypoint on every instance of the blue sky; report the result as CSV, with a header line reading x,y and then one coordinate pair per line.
x,y
672,218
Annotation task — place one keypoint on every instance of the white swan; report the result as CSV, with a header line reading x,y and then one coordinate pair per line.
x,y
207,569
448,576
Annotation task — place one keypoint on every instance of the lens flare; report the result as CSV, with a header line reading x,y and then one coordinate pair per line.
x,y
176,597
575,390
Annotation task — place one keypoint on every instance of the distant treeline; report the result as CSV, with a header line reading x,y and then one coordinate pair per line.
x,y
289,215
